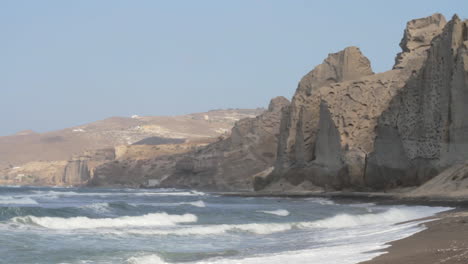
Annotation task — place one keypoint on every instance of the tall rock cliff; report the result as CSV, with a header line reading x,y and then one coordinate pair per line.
x,y
231,163
300,120
426,125
361,130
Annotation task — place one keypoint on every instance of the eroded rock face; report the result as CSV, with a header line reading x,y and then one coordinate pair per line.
x,y
425,123
300,119
231,163
385,130
76,172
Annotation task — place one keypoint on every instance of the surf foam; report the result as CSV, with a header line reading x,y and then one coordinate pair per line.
x,y
17,200
255,228
81,222
279,212
393,215
148,259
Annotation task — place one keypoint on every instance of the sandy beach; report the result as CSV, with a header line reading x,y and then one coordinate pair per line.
x,y
445,241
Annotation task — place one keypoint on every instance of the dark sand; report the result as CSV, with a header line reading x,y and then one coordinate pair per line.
x,y
445,241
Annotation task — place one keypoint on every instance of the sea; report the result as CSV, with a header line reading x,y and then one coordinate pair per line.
x,y
139,226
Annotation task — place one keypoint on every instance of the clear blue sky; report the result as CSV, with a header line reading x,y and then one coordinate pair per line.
x,y
65,63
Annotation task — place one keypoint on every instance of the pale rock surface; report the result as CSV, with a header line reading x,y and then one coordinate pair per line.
x,y
231,163
386,130
450,183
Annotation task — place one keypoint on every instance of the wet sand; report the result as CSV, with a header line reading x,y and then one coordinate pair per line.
x,y
445,241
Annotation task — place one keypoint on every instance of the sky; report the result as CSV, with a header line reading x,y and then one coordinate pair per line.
x,y
66,63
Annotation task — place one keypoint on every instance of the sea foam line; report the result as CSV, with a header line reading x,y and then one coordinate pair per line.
x,y
279,212
387,218
17,200
81,222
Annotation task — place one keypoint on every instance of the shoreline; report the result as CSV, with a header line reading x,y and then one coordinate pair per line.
x,y
376,197
444,241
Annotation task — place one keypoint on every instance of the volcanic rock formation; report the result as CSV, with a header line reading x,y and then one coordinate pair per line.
x,y
349,128
227,164
230,164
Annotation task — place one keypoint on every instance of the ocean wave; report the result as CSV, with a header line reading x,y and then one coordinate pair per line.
x,y
322,201
55,194
108,207
81,222
98,207
10,200
196,203
341,254
393,215
148,259
390,217
279,212
255,228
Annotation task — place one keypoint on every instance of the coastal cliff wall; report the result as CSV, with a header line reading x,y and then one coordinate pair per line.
x,y
231,163
379,131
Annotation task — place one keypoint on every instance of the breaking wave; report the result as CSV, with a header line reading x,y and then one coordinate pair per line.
x,y
279,212
149,259
322,201
81,222
255,228
393,215
16,200
196,203
55,194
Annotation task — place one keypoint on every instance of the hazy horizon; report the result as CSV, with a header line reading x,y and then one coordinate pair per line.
x,y
70,63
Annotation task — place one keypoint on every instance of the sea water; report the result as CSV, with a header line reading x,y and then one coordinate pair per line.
x,y
80,225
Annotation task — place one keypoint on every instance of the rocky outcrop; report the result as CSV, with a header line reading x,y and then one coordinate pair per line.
x,y
385,130
76,172
27,146
300,119
43,173
142,165
450,183
231,163
425,125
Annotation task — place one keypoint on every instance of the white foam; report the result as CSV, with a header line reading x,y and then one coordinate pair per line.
x,y
148,259
255,228
279,212
98,207
148,220
369,238
16,200
322,201
373,222
393,215
55,194
196,203
343,254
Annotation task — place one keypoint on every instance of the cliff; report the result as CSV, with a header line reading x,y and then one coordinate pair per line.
x,y
231,163
361,131
76,171
69,156
27,146
227,164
